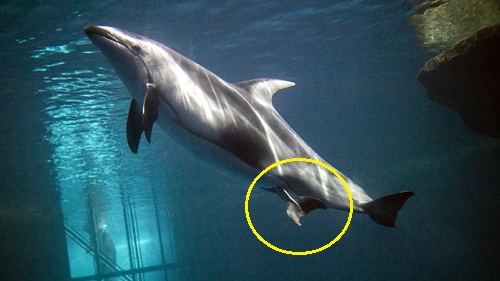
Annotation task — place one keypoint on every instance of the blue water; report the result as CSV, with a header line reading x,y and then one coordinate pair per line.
x,y
357,103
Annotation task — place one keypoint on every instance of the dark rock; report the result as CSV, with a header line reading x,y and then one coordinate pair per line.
x,y
467,79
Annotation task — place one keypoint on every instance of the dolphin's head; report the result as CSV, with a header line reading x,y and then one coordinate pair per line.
x,y
130,54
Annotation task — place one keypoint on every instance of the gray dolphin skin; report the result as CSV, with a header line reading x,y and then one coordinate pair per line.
x,y
233,128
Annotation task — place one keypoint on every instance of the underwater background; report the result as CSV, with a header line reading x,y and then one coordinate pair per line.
x,y
76,204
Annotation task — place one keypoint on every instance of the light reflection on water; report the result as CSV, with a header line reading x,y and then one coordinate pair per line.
x,y
85,106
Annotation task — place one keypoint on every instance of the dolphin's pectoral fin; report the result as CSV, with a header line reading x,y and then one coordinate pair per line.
x,y
134,126
302,206
273,190
150,110
141,119
384,210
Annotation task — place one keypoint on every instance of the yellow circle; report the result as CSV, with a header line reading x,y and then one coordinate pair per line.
x,y
297,253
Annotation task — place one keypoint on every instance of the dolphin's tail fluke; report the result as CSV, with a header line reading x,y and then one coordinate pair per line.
x,y
384,210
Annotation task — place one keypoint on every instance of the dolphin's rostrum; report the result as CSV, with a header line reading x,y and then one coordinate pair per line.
x,y
232,127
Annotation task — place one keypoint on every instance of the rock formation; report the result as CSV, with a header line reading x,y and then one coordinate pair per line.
x,y
467,78
440,24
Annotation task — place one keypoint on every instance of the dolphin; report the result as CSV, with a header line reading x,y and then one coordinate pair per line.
x,y
232,127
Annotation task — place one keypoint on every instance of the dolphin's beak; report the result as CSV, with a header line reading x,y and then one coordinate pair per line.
x,y
117,47
91,29
94,30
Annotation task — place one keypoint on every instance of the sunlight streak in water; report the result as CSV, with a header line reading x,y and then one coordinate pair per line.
x,y
105,205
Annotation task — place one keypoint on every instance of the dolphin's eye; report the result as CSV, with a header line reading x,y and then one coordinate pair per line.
x,y
137,48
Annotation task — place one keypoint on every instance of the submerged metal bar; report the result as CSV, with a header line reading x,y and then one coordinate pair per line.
x,y
93,236
125,203
75,236
158,228
135,239
78,239
163,267
170,238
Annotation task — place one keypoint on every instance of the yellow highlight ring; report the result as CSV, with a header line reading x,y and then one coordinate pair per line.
x,y
299,253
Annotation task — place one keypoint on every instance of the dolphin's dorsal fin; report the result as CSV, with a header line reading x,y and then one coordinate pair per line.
x,y
264,87
134,126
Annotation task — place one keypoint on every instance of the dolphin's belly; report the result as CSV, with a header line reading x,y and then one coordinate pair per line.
x,y
214,156
332,193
